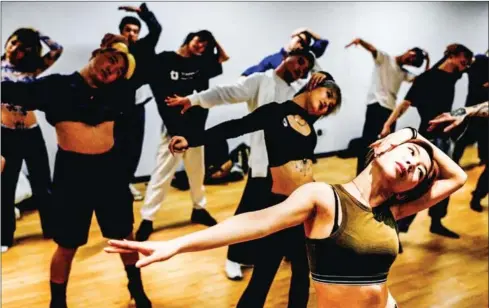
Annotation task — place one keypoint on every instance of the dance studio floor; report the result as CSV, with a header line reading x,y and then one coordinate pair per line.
x,y
432,272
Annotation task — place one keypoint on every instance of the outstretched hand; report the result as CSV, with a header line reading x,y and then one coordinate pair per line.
x,y
134,9
354,42
448,118
176,101
153,251
178,144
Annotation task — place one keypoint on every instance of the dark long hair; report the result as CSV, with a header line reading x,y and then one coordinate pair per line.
x,y
421,188
32,60
204,36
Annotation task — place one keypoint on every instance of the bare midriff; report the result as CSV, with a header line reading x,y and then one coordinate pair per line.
x,y
15,119
346,296
290,176
85,139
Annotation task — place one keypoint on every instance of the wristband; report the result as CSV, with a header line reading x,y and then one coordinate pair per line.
x,y
414,132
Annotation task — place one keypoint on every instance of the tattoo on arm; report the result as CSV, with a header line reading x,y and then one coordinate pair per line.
x,y
482,110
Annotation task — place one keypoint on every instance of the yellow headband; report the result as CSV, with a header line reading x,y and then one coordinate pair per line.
x,y
120,47
131,62
131,65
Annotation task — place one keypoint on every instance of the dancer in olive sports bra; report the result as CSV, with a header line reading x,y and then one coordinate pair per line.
x,y
345,225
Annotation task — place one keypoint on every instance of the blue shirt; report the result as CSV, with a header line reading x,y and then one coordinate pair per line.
x,y
274,60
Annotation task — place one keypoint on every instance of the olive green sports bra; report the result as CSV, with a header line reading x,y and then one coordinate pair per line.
x,y
359,251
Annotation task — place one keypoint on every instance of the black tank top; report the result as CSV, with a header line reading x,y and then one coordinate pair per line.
x,y
358,252
283,142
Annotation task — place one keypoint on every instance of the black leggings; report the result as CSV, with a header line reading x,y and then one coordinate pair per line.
x,y
28,145
272,249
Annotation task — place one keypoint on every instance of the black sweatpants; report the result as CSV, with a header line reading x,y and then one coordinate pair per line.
x,y
271,250
375,118
28,145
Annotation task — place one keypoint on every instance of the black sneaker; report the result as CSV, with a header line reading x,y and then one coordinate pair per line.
x,y
140,298
475,204
201,216
144,231
438,228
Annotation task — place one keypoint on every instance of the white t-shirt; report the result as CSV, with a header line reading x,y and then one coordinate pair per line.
x,y
386,81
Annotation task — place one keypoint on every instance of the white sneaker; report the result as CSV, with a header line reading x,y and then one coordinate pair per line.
x,y
135,193
17,213
4,249
233,270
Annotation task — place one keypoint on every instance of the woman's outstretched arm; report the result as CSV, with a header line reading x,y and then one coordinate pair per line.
x,y
240,228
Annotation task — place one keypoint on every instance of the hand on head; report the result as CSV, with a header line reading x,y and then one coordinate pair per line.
x,y
391,141
316,79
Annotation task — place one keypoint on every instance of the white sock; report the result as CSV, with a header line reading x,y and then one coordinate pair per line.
x,y
199,207
233,270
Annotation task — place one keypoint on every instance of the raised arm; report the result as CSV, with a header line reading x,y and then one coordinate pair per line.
x,y
367,46
154,27
55,51
264,65
319,46
240,228
241,91
222,55
450,176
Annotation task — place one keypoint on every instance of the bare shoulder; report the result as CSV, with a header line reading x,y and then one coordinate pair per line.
x,y
322,194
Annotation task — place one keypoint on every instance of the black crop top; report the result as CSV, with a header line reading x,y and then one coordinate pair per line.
x,y
68,98
283,142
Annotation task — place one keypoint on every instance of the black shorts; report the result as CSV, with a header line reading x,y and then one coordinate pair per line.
x,y
83,184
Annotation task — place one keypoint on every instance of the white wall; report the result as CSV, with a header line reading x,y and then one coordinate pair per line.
x,y
249,31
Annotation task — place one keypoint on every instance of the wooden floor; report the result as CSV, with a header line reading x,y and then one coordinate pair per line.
x,y
432,272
